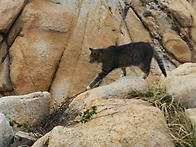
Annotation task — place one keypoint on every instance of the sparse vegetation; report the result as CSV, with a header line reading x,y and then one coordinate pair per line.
x,y
180,127
144,4
86,115
46,120
147,13
22,125
67,98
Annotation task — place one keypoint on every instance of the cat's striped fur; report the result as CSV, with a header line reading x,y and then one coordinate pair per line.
x,y
138,53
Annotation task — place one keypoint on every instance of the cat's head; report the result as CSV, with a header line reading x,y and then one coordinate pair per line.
x,y
95,56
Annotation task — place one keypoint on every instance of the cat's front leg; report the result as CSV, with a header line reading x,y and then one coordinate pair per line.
x,y
98,78
88,87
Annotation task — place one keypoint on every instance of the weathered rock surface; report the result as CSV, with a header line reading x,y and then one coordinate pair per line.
x,y
30,109
116,90
23,139
138,32
117,122
176,46
6,132
180,12
94,21
5,83
45,48
181,84
184,13
193,3
36,54
48,49
9,10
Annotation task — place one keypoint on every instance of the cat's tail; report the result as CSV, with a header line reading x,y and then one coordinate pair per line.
x,y
160,63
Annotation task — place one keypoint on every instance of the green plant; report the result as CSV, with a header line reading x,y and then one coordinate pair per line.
x,y
67,98
144,4
18,125
180,127
22,125
86,115
46,120
147,13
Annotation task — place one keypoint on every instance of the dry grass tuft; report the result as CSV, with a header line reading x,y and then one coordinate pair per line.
x,y
180,127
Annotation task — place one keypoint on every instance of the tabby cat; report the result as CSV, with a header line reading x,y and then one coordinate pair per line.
x,y
138,53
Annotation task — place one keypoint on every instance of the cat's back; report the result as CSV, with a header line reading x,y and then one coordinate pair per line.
x,y
136,47
134,53
133,49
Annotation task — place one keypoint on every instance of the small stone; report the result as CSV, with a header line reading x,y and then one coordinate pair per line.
x,y
24,138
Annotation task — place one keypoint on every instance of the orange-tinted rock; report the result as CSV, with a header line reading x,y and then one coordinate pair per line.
x,y
9,10
95,28
176,46
136,29
36,55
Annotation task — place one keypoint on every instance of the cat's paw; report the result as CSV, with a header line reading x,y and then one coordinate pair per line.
x,y
122,75
88,88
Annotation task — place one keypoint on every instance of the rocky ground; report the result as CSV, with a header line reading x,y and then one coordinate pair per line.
x,y
44,64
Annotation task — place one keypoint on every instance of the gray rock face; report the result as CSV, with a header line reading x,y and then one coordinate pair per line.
x,y
23,138
116,90
30,109
6,132
181,84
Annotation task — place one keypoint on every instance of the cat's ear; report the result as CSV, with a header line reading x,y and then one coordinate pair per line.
x,y
94,51
91,49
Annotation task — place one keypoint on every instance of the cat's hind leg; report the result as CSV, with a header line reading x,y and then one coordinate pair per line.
x,y
144,75
146,69
124,72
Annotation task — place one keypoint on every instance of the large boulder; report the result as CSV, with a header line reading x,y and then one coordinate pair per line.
x,y
35,54
180,83
116,90
6,132
30,109
121,122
